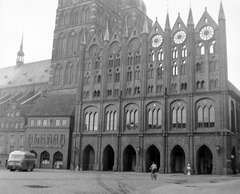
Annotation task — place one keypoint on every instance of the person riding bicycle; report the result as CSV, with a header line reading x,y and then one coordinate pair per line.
x,y
153,168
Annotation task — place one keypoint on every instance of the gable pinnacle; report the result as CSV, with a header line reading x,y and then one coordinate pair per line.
x,y
190,18
221,15
145,26
167,24
106,36
125,30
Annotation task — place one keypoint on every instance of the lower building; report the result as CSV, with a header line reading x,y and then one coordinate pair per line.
x,y
49,129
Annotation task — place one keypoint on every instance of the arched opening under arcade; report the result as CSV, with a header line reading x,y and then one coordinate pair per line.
x,y
44,160
152,155
58,160
177,160
129,159
204,160
108,158
88,158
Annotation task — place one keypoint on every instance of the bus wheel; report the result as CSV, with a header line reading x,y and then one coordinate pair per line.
x,y
32,169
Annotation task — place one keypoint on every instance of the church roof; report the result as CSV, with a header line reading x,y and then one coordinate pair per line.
x,y
29,73
56,103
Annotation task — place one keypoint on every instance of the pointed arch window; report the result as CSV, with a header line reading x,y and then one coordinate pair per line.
x,y
212,47
175,53
65,20
110,61
233,117
91,119
184,51
69,74
160,55
150,71
205,114
137,58
179,115
159,88
151,56
76,17
160,71
63,47
154,116
71,43
174,69
130,59
118,60
129,74
117,76
184,68
131,117
87,15
202,49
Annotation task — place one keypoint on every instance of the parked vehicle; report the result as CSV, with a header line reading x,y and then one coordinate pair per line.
x,y
21,160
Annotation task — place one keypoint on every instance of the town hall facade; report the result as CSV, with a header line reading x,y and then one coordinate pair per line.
x,y
138,93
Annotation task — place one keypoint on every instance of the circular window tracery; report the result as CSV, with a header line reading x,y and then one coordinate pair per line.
x,y
206,33
179,37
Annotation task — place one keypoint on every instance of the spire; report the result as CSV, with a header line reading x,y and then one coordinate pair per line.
x,y
221,15
190,18
167,24
125,29
145,26
106,36
20,54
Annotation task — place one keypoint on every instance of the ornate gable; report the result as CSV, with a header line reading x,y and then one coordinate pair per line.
x,y
134,40
156,35
179,31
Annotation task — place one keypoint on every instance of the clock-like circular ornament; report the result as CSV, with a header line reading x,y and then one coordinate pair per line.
x,y
115,47
134,44
179,37
157,41
206,33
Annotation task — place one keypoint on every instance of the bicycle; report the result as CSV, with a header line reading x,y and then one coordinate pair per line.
x,y
153,174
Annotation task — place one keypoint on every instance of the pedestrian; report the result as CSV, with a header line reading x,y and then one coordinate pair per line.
x,y
72,167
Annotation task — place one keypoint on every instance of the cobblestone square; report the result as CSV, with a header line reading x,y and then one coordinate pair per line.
x,y
88,182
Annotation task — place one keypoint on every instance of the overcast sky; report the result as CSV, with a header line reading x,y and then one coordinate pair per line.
x,y
37,19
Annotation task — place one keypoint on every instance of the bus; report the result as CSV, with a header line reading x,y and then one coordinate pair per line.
x,y
21,160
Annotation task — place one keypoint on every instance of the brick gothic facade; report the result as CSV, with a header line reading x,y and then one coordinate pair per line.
x,y
146,93
124,93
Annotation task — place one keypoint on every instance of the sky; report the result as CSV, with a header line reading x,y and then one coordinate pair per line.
x,y
36,20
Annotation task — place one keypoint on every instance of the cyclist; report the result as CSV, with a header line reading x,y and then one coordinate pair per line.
x,y
153,169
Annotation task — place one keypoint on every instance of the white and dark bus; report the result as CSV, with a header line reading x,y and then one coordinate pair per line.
x,y
21,160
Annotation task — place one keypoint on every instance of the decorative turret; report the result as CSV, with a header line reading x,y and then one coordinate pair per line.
x,y
20,55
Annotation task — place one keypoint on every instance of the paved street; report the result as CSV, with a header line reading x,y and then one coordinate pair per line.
x,y
65,182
